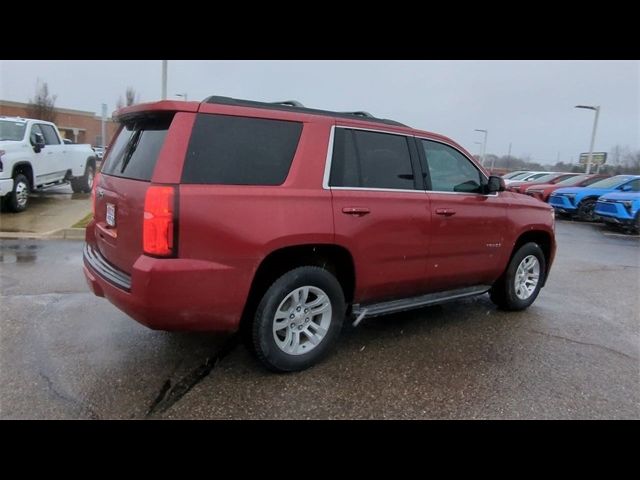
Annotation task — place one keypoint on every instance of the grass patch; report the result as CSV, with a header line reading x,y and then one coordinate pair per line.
x,y
84,222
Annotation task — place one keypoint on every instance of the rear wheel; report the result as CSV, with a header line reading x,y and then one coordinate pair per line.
x,y
18,199
586,210
521,282
298,319
84,184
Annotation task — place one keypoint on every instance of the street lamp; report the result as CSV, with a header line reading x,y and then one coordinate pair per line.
x,y
479,155
182,95
593,134
164,79
484,145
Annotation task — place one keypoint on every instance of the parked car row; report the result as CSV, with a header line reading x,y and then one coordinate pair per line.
x,y
596,197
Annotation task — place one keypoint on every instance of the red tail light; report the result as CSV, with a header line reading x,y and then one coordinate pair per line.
x,y
157,231
96,180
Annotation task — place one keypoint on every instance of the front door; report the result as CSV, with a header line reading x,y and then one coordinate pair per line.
x,y
467,231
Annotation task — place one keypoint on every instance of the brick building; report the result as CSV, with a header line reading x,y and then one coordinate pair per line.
x,y
76,125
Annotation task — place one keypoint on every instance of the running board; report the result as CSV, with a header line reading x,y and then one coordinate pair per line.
x,y
394,306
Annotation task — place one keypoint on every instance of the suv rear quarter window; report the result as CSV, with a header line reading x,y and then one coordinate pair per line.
x,y
228,150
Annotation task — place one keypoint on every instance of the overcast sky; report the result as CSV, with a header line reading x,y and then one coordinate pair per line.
x,y
528,103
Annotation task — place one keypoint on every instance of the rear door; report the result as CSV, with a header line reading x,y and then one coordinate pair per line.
x,y
468,227
381,212
120,193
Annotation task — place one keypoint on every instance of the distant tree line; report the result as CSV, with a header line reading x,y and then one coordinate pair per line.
x,y
621,160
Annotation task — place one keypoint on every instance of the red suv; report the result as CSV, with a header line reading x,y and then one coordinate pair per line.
x,y
285,220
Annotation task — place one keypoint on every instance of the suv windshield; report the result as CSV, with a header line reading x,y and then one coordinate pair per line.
x,y
610,182
12,131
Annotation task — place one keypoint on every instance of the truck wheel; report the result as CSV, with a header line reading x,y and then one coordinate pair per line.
x,y
298,319
521,282
84,184
586,210
18,199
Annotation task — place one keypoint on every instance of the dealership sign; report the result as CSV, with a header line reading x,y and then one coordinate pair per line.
x,y
599,158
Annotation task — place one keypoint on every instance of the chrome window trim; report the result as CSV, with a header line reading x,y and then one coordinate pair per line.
x,y
329,160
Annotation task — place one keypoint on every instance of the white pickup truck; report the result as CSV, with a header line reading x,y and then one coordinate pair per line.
x,y
33,156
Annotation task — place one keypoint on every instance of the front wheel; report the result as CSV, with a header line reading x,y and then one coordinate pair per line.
x,y
521,282
18,198
298,319
586,209
84,184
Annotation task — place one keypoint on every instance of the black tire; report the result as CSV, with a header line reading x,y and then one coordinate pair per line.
x,y
503,292
16,201
84,184
636,224
263,342
586,210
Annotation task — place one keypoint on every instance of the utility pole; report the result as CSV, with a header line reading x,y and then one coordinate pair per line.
x,y
164,79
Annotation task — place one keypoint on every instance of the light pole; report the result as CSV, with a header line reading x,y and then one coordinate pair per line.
x,y
480,154
484,145
182,95
103,121
593,134
164,79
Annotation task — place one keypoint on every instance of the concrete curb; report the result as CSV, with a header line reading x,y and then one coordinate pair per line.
x,y
61,234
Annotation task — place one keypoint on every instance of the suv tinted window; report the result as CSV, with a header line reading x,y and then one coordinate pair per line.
x,y
449,170
135,150
371,160
227,150
50,136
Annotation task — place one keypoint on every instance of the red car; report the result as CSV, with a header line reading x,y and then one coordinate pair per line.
x,y
283,221
543,191
549,179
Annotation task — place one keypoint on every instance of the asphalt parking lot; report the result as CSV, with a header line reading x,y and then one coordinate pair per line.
x,y
575,354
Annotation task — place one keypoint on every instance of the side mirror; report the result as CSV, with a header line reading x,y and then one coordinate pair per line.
x,y
37,140
495,184
625,188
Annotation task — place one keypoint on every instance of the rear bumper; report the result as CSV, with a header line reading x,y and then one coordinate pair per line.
x,y
171,294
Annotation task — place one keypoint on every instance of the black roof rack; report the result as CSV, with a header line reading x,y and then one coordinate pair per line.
x,y
295,106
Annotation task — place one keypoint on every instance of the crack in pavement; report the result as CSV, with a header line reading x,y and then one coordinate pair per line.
x,y
170,393
567,339
73,402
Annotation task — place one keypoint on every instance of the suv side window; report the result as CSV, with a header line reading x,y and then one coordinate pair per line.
x,y
371,160
50,136
449,170
228,150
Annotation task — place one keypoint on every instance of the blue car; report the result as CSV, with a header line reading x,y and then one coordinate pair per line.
x,y
581,201
620,208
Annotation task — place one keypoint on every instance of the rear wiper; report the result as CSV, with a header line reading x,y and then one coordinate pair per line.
x,y
133,144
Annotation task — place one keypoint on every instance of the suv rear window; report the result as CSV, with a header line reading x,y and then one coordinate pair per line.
x,y
135,150
228,150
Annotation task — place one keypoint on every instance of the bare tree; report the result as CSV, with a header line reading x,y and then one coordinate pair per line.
x,y
130,98
42,107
